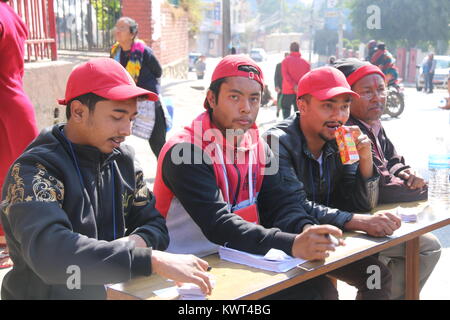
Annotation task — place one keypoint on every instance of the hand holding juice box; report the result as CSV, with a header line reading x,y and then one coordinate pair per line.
x,y
346,145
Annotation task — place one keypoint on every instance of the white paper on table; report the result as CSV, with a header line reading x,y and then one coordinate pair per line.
x,y
274,260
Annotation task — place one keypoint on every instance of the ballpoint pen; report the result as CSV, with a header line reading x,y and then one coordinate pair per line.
x,y
333,239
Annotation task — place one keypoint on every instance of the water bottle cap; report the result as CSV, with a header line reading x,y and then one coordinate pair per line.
x,y
439,161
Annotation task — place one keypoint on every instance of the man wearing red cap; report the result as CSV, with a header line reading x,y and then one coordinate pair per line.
x,y
293,68
309,159
217,183
76,210
398,182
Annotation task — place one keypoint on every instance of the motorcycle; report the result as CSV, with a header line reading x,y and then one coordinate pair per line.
x,y
395,100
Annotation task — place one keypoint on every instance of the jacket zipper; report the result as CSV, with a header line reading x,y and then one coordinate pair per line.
x,y
99,196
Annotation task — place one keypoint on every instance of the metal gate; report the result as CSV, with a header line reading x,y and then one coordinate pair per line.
x,y
40,21
86,25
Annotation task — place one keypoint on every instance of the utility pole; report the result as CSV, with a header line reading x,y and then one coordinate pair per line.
x,y
311,32
226,27
341,34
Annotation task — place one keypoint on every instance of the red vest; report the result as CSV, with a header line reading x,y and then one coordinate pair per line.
x,y
205,135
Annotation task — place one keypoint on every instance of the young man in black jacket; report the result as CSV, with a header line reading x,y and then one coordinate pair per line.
x,y
309,159
76,210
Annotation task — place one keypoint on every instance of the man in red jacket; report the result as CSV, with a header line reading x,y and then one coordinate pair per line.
x,y
293,68
217,183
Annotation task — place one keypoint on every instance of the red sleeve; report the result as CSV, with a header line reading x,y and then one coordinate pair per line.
x,y
1,30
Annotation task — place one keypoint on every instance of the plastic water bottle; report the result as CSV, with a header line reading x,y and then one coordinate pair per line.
x,y
439,176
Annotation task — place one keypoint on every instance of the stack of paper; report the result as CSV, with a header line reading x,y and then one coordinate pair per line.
x,y
190,291
407,215
274,260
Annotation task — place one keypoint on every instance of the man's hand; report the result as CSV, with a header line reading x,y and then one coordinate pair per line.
x,y
182,268
364,148
313,243
362,142
412,179
376,225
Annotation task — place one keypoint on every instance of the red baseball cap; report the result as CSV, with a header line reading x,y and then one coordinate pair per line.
x,y
237,65
324,83
106,78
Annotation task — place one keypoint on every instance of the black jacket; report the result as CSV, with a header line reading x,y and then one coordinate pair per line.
x,y
57,220
389,164
339,187
278,77
151,70
194,185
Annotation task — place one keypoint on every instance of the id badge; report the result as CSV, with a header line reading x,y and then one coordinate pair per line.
x,y
249,213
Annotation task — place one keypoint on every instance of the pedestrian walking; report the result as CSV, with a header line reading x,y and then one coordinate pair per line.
x,y
429,68
200,67
293,68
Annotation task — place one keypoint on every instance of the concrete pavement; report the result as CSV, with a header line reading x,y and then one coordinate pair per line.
x,y
188,95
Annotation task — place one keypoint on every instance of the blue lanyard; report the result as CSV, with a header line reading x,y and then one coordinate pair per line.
x,y
80,176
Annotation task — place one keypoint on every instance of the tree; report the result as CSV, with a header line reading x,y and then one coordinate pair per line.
x,y
282,16
107,11
193,9
408,23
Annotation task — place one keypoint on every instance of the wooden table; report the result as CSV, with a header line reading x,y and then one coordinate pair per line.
x,y
235,281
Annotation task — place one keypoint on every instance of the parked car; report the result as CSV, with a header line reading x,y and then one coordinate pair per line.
x,y
440,74
258,54
193,56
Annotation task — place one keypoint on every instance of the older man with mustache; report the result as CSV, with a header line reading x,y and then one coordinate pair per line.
x,y
398,181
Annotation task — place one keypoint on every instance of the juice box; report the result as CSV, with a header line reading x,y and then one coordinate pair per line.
x,y
347,147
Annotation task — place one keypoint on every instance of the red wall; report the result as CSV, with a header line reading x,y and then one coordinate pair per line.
x,y
141,11
173,43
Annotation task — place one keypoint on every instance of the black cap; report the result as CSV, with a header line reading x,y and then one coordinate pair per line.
x,y
348,67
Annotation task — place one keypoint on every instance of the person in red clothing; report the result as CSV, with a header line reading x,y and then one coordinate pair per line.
x,y
293,68
218,184
16,110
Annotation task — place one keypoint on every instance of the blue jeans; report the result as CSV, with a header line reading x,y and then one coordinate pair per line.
x,y
429,82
